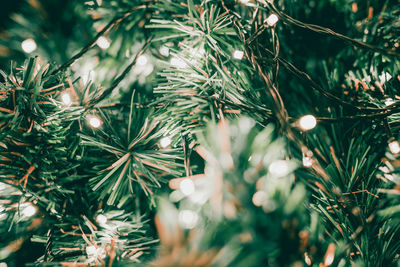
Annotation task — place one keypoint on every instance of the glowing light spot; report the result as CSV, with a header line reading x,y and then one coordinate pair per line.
x,y
389,101
178,63
272,20
307,161
165,141
91,251
142,60
101,219
103,42
307,122
259,198
66,99
29,45
187,187
238,54
94,121
394,147
188,219
29,210
244,2
164,51
279,168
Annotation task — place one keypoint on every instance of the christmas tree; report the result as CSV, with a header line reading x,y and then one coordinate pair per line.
x,y
200,133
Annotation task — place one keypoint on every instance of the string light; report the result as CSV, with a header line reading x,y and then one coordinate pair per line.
x,y
165,141
29,45
94,121
101,219
187,187
91,251
164,51
178,63
66,99
389,101
238,54
307,122
394,147
188,219
103,42
259,198
279,168
29,210
142,60
272,20
307,161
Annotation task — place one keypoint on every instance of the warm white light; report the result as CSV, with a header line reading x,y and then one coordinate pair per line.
x,y
187,187
307,161
188,218
3,264
389,101
272,20
165,141
101,219
307,122
94,121
244,2
279,168
91,250
164,51
29,210
103,42
259,198
329,259
394,147
238,54
66,99
142,60
29,45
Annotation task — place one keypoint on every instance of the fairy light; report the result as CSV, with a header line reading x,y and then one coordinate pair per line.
x,y
94,121
178,63
142,60
238,54
244,2
103,42
389,101
307,161
101,219
187,187
66,99
29,210
29,45
164,51
3,264
188,219
272,20
307,122
279,168
394,147
165,141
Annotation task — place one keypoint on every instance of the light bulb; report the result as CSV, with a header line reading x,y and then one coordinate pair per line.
x,y
66,99
165,141
29,45
307,161
394,147
279,168
164,51
187,187
272,20
389,101
307,122
238,54
188,219
103,42
178,63
29,210
142,60
101,219
94,121
91,251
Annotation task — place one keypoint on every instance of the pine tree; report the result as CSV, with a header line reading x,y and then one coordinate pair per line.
x,y
200,133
